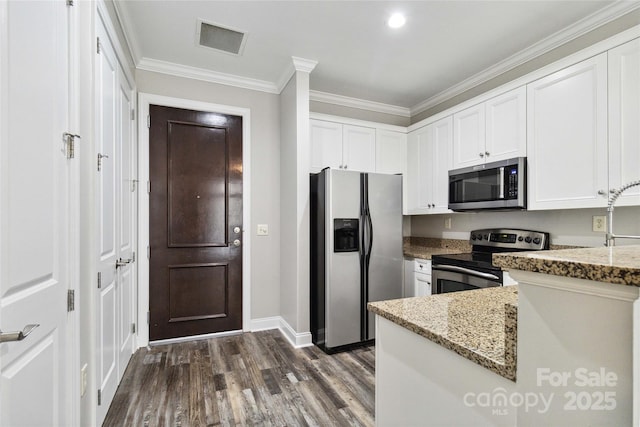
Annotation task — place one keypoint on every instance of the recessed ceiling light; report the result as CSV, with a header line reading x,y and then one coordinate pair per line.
x,y
396,20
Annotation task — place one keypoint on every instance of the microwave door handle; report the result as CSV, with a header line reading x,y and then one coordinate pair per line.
x,y
463,270
501,183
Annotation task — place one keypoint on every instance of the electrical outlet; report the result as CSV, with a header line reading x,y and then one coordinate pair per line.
x,y
447,223
263,230
83,380
599,223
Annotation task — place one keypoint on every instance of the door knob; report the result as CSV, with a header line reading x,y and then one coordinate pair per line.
x,y
236,242
17,336
481,154
236,230
602,192
100,157
486,153
122,262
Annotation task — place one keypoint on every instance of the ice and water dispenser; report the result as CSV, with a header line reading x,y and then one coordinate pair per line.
x,y
345,234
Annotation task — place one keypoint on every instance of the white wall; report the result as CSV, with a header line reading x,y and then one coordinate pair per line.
x,y
567,227
265,174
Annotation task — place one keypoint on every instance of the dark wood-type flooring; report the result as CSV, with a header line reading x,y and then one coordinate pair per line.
x,y
249,379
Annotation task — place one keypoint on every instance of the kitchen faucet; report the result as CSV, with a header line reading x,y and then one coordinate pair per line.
x,y
611,238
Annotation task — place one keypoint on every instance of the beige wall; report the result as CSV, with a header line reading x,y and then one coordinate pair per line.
x,y
567,227
265,174
614,27
356,113
294,185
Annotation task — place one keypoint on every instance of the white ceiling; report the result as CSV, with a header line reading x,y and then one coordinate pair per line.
x,y
442,44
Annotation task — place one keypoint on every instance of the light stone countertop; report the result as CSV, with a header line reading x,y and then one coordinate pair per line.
x,y
425,247
480,325
618,264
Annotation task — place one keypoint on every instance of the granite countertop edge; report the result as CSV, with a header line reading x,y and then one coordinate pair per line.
x,y
506,369
617,265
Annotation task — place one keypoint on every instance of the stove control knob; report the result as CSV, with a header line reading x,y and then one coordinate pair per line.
x,y
473,237
520,238
536,241
527,239
486,237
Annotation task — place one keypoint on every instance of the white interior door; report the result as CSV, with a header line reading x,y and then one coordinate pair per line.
x,y
106,197
126,225
35,270
116,219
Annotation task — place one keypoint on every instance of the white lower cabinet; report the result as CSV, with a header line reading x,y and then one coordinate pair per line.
x,y
408,288
422,278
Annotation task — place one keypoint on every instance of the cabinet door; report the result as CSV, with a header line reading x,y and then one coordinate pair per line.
x,y
412,200
359,148
442,156
506,121
567,137
426,153
469,137
624,120
391,151
409,280
422,284
326,145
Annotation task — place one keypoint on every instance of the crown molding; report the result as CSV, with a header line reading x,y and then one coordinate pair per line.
x,y
361,104
591,22
304,65
178,70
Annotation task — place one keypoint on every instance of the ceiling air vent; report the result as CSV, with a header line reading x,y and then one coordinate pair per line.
x,y
217,37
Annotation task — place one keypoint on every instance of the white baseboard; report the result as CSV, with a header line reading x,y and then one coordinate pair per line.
x,y
297,339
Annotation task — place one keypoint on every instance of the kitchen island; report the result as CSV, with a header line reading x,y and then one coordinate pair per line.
x,y
578,323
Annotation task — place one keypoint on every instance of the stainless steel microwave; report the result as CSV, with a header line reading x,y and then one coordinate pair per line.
x,y
496,185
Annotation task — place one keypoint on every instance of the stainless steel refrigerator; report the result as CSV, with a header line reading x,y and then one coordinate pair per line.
x,y
356,253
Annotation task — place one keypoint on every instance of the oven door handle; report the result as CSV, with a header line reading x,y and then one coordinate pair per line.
x,y
463,270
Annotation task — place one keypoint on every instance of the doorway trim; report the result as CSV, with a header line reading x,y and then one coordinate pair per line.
x,y
144,101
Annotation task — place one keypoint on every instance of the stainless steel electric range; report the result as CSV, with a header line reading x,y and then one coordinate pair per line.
x,y
474,270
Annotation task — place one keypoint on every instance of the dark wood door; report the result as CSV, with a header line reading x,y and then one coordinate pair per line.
x,y
195,216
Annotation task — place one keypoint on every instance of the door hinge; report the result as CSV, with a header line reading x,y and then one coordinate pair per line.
x,y
134,185
99,280
71,300
148,252
148,187
98,45
99,397
70,144
69,2
133,256
148,317
133,114
133,328
148,121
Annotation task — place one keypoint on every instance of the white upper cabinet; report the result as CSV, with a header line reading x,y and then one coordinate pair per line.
x,y
624,120
491,131
567,137
469,137
391,151
342,146
506,126
358,148
326,145
428,163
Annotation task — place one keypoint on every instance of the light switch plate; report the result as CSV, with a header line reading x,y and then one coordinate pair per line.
x,y
599,223
263,230
447,223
